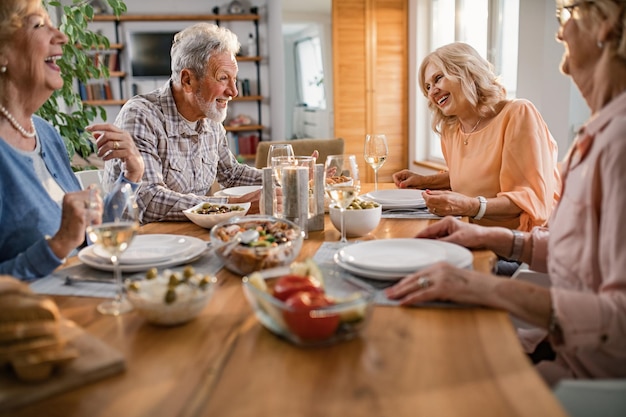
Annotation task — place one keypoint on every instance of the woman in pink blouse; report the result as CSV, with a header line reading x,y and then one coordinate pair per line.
x,y
583,314
501,157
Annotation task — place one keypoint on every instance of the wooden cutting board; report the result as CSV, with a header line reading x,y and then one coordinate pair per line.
x,y
97,360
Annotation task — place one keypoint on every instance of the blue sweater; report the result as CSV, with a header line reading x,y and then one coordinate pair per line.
x,y
27,213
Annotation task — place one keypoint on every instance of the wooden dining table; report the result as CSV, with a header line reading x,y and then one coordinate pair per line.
x,y
417,361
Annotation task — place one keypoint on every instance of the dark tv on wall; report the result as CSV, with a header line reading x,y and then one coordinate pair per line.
x,y
150,53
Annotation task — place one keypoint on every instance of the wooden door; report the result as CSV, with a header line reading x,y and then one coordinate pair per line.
x,y
370,59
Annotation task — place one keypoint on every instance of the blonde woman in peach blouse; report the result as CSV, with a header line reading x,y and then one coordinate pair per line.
x,y
501,157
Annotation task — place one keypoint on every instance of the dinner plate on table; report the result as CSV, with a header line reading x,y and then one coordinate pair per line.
x,y
393,255
149,248
237,191
397,199
392,259
185,248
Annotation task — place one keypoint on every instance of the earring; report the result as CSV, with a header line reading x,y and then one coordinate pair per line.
x,y
3,69
600,44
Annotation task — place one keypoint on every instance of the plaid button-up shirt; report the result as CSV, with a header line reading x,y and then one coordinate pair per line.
x,y
181,163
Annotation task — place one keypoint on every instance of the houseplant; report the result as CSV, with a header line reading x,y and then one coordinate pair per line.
x,y
65,109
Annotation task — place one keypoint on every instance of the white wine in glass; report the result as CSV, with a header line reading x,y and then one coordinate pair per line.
x,y
114,234
341,179
375,153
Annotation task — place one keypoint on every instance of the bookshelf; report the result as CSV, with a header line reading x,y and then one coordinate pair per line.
x,y
253,91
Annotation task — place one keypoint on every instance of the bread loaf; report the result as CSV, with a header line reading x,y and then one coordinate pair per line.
x,y
29,332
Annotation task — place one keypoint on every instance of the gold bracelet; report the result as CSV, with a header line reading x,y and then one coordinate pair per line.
x,y
518,245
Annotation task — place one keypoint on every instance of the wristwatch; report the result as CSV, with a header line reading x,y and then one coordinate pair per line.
x,y
482,209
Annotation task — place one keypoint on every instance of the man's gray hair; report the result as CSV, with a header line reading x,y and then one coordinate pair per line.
x,y
194,45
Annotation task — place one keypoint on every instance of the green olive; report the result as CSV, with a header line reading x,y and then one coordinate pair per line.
x,y
170,296
204,282
174,280
134,286
152,273
188,272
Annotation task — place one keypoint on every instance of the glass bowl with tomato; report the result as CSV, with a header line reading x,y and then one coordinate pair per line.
x,y
306,311
252,243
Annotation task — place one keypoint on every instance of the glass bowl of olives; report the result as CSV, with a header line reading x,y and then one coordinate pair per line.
x,y
171,297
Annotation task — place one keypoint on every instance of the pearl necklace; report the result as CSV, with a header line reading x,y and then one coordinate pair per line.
x,y
18,126
467,135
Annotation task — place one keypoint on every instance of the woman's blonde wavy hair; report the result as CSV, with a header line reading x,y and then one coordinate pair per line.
x,y
460,62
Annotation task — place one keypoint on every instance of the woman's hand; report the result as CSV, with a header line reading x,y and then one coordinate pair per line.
x,y
442,282
116,143
450,229
76,210
408,179
449,203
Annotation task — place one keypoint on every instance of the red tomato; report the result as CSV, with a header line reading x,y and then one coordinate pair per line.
x,y
300,321
288,285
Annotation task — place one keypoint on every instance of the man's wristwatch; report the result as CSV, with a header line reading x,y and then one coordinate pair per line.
x,y
482,209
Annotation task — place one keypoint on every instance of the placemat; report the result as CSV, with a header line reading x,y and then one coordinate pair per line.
x,y
408,213
100,282
332,271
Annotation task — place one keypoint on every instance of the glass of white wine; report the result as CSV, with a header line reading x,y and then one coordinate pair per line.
x,y
114,234
375,153
279,149
341,179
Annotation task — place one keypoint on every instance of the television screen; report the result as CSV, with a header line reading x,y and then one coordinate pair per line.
x,y
150,53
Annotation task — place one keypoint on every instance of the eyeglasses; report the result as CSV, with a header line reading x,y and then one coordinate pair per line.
x,y
564,13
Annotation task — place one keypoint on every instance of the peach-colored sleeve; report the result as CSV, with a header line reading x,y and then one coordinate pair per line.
x,y
529,174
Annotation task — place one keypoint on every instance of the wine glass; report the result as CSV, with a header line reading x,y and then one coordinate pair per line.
x,y
113,234
278,149
375,153
341,179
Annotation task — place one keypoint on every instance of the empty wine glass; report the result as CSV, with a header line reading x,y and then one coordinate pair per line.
x,y
375,153
341,179
278,149
114,234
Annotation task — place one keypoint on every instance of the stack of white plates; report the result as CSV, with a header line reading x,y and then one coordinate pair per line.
x,y
147,251
392,259
397,199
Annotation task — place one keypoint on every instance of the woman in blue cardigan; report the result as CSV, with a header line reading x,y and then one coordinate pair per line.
x,y
42,208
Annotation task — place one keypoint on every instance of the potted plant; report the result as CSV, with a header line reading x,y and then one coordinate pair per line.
x,y
77,64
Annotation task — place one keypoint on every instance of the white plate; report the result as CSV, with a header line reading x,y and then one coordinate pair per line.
x,y
399,198
367,273
454,254
237,191
393,255
148,248
194,247
210,220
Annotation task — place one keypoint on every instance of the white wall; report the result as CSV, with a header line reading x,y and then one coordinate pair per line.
x,y
540,79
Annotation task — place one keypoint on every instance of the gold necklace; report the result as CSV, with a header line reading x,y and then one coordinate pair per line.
x,y
18,126
467,135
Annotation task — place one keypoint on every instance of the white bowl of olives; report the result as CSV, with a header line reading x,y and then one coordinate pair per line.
x,y
208,215
360,218
171,297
